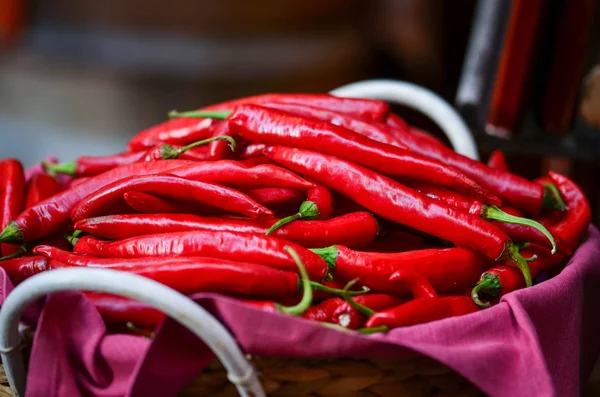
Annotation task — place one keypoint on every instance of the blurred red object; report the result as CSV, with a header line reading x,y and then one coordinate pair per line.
x,y
12,17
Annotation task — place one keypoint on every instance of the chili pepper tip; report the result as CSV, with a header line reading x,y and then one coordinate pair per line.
x,y
308,210
552,199
12,233
490,285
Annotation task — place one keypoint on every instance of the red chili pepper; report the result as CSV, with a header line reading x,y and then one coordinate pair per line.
x,y
416,283
19,269
502,279
400,204
423,135
526,233
351,318
278,128
88,166
512,189
498,161
77,181
117,309
395,121
323,311
219,244
353,230
446,269
253,150
323,199
218,149
424,310
12,196
573,226
39,188
173,187
47,217
168,152
275,197
149,204
254,161
174,132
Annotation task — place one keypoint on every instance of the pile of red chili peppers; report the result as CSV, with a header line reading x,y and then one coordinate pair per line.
x,y
273,197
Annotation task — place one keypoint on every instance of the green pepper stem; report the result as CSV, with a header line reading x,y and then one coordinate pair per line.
x,y
197,114
374,330
329,254
320,287
307,293
12,233
169,152
21,251
552,199
490,285
60,168
512,255
308,210
362,309
491,212
72,239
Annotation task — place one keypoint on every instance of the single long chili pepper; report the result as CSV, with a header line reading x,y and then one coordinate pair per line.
x,y
400,204
502,279
424,310
120,310
202,274
167,152
47,217
487,212
323,311
173,187
219,244
446,269
88,166
498,161
149,204
512,189
233,173
353,230
174,132
273,197
21,268
263,125
12,196
39,187
397,123
349,317
573,226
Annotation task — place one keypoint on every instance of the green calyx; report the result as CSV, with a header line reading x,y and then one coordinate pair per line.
x,y
60,168
512,255
490,285
12,233
169,152
329,254
198,114
308,210
21,251
552,199
72,239
491,212
307,292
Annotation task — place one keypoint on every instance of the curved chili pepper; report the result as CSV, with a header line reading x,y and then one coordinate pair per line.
x,y
88,166
19,269
12,196
39,187
275,197
149,204
46,218
498,161
489,213
167,152
420,311
218,149
253,248
353,230
502,279
527,233
269,126
323,311
117,309
173,187
415,282
446,269
573,226
400,204
174,132
512,189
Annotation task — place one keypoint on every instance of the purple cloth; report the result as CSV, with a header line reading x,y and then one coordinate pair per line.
x,y
540,341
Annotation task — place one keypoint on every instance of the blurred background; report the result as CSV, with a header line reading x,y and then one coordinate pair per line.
x,y
81,76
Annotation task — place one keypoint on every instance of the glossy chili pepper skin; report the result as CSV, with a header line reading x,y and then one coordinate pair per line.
x,y
512,189
173,187
253,150
446,269
524,233
12,196
39,187
219,244
233,173
275,197
421,311
323,198
254,161
47,217
453,199
497,161
219,150
394,201
395,121
349,317
323,311
353,230
273,127
88,166
360,126
119,310
201,274
149,204
573,226
181,131
21,268
416,283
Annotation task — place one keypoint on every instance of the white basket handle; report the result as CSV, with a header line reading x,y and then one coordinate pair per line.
x,y
184,310
422,100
